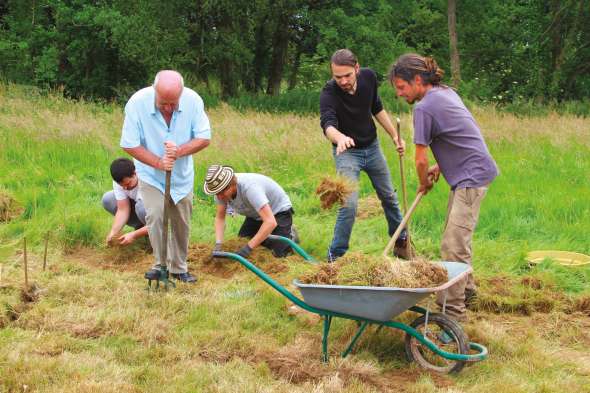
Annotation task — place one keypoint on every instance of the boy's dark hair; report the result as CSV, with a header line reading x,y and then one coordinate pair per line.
x,y
122,168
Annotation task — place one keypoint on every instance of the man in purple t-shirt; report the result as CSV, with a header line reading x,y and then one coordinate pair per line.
x,y
442,122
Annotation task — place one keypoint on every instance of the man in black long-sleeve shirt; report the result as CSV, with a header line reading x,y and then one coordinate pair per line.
x,y
348,103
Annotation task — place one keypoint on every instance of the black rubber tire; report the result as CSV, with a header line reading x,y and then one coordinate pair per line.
x,y
419,353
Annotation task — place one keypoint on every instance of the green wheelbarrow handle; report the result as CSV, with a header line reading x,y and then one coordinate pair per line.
x,y
294,246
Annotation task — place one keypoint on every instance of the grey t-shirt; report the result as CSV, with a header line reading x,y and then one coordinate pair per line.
x,y
442,122
255,191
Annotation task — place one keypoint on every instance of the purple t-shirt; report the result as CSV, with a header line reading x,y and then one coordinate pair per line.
x,y
442,122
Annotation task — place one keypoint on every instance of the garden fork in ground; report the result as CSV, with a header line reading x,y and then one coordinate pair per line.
x,y
164,276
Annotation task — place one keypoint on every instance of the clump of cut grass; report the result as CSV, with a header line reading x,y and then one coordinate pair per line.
x,y
364,270
334,190
9,207
30,293
115,240
508,295
580,304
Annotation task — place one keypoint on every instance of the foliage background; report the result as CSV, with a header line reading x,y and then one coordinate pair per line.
x,y
512,52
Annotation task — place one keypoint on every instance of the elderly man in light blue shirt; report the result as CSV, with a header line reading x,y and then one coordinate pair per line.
x,y
165,124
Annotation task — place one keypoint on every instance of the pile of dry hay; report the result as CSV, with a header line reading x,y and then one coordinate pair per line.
x,y
9,208
334,190
364,270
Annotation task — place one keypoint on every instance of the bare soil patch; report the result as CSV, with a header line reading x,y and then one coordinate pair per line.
x,y
200,255
133,258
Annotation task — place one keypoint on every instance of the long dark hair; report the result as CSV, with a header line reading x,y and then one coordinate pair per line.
x,y
409,65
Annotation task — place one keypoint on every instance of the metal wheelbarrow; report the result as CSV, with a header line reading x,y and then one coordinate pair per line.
x,y
433,340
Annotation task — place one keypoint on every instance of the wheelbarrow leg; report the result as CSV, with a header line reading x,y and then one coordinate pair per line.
x,y
355,338
327,323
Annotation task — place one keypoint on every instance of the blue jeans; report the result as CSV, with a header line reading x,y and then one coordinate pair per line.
x,y
349,164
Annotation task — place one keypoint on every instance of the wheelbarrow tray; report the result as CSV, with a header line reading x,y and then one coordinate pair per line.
x,y
375,303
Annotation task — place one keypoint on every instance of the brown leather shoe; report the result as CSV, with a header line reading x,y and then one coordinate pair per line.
x,y
400,249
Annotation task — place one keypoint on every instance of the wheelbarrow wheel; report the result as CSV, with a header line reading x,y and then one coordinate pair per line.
x,y
447,334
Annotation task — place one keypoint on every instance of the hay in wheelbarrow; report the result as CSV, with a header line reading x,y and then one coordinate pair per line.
x,y
358,269
334,190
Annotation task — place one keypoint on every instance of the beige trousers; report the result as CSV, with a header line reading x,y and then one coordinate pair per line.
x,y
180,218
462,216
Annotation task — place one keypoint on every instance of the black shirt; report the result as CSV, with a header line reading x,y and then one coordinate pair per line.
x,y
352,114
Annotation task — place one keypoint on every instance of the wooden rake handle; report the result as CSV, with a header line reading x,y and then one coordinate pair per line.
x,y
402,225
404,193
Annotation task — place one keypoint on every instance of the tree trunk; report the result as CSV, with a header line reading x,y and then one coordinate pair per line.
x,y
566,25
260,56
228,81
295,69
455,64
280,43
227,65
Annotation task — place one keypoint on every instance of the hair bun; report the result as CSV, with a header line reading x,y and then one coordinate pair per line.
x,y
433,69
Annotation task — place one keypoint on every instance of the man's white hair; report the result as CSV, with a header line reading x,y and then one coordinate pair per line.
x,y
157,78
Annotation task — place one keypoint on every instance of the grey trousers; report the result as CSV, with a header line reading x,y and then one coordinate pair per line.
x,y
462,216
137,215
180,219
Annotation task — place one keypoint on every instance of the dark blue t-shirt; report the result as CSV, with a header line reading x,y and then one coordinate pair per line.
x,y
352,114
442,122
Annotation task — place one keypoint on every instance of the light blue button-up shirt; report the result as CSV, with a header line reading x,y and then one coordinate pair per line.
x,y
145,126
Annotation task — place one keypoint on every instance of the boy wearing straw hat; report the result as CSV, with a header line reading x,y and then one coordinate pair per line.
x,y
263,201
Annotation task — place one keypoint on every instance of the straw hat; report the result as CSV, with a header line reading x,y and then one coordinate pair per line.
x,y
217,179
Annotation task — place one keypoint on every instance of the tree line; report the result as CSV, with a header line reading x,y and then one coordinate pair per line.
x,y
496,50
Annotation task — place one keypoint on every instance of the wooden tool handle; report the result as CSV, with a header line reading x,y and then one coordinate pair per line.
x,y
402,225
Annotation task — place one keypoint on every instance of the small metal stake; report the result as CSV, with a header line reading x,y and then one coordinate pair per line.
x,y
45,252
25,264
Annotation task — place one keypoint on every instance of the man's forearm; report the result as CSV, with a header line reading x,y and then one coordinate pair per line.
x,y
121,217
219,228
385,121
144,155
422,171
263,232
333,134
141,232
192,146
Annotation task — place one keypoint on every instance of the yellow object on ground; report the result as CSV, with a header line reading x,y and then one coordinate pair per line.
x,y
565,258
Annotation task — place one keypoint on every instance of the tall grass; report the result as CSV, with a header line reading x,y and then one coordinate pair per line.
x,y
306,102
95,329
55,157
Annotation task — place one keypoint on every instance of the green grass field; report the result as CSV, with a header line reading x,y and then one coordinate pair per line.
x,y
93,328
